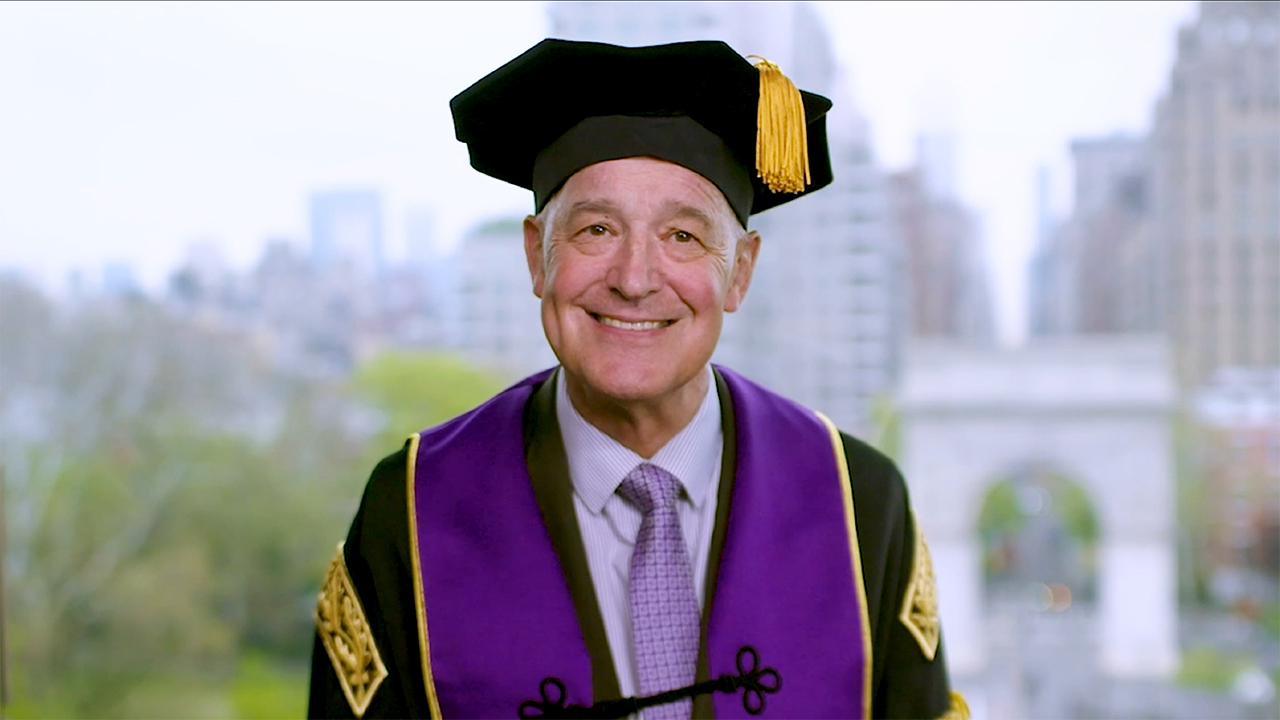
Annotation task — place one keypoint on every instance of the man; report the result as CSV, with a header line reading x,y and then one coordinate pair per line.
x,y
635,523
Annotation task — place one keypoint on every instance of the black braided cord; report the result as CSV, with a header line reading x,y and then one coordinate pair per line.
x,y
756,682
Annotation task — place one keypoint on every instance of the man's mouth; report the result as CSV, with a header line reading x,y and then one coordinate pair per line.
x,y
630,325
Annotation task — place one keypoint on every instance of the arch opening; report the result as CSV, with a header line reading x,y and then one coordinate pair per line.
x,y
1039,532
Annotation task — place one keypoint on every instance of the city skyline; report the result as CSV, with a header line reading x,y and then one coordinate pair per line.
x,y
216,124
270,263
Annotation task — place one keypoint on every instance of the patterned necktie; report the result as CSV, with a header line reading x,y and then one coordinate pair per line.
x,y
664,608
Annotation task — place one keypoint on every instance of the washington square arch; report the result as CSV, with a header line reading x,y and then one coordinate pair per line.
x,y
1096,409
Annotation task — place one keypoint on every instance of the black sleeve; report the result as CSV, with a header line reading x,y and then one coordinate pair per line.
x,y
904,682
379,562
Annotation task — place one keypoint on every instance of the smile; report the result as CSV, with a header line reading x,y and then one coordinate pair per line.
x,y
626,325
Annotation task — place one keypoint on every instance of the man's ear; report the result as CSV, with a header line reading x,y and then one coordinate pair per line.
x,y
533,253
746,250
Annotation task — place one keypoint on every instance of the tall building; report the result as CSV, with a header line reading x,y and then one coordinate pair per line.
x,y
427,277
1216,190
1098,271
823,320
284,285
1041,299
346,255
346,230
421,246
949,288
501,323
119,279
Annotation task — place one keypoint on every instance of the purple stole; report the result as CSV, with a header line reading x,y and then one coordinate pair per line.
x,y
495,614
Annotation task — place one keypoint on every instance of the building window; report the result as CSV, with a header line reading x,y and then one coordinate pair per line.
x,y
1240,85
1208,351
1272,159
1244,254
1208,183
1207,98
1241,208
1270,339
1240,165
1269,93
1208,227
1210,321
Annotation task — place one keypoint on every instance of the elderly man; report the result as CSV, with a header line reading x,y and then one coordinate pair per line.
x,y
635,531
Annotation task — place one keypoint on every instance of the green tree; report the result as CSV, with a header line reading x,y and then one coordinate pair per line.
x,y
172,502
886,427
416,390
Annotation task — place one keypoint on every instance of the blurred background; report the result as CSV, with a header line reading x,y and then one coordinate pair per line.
x,y
242,257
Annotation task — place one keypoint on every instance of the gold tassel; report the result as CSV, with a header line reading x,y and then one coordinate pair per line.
x,y
782,141
959,709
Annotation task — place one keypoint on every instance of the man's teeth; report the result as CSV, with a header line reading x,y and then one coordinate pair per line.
x,y
624,325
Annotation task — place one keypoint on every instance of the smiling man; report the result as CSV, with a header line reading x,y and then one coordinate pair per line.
x,y
636,261
635,531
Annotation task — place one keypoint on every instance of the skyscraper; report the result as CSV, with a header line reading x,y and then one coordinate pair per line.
x,y
823,319
119,279
1098,271
1216,190
421,245
946,271
501,323
346,229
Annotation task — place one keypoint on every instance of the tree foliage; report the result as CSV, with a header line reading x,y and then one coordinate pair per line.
x,y
171,501
1002,513
416,390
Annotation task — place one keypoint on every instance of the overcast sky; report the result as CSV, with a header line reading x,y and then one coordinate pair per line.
x,y
130,131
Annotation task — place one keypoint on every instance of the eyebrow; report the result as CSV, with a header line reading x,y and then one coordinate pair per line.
x,y
680,210
599,206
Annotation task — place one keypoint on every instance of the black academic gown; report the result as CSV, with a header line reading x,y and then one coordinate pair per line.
x,y
905,683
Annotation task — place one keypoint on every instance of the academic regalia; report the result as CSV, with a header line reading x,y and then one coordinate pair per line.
x,y
463,586
908,675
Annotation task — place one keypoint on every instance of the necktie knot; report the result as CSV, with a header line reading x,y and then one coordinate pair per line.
x,y
649,487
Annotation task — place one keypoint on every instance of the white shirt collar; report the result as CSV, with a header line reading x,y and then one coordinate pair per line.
x,y
598,463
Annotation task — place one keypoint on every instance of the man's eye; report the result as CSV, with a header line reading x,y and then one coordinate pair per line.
x,y
598,230
682,236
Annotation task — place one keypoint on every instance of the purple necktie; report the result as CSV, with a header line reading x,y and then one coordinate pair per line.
x,y
664,608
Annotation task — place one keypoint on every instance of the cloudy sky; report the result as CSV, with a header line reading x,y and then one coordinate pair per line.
x,y
130,131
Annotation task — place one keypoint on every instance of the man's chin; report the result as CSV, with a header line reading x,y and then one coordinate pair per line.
x,y
626,388
635,384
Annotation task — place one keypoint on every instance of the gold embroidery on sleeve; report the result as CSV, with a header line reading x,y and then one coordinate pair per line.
x,y
920,602
345,633
959,709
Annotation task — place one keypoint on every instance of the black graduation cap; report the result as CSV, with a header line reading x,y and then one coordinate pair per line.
x,y
564,105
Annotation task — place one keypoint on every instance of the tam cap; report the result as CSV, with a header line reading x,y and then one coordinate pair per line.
x,y
564,105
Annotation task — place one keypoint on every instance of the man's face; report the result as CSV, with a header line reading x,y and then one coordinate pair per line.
x,y
644,259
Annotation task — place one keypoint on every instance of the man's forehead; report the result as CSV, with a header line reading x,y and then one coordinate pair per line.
x,y
650,184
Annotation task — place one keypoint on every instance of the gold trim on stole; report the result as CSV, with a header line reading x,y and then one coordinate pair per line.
x,y
851,524
344,632
920,601
424,642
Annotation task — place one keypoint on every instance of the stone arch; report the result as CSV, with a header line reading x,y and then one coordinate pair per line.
x,y
1096,407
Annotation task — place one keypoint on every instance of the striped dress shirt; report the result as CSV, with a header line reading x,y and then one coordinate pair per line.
x,y
610,525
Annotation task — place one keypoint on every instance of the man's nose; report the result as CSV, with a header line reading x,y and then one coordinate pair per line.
x,y
636,269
